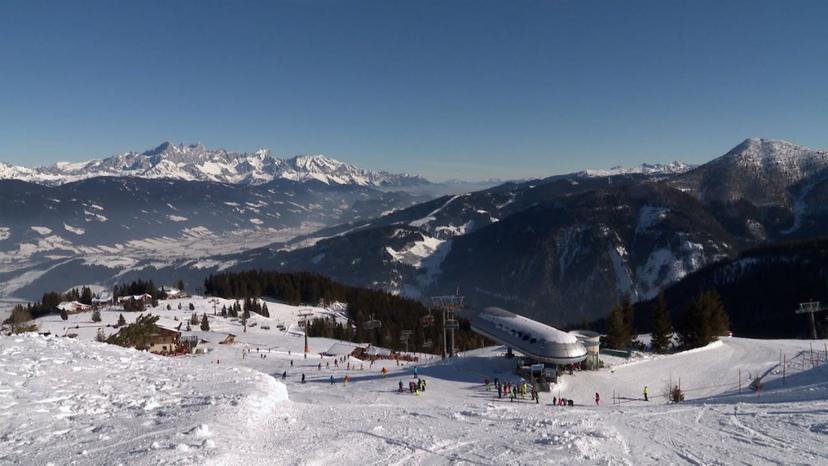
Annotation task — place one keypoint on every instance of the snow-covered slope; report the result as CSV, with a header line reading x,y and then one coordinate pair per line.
x,y
196,162
68,401
654,169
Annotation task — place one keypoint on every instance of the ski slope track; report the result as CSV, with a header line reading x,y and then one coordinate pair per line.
x,y
75,401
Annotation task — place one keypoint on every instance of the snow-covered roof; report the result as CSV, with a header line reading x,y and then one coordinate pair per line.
x,y
377,351
343,348
168,324
136,297
72,306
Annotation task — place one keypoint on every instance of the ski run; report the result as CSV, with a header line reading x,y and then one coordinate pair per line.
x,y
77,401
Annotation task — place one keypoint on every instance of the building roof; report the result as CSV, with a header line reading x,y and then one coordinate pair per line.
x,y
72,305
168,324
342,348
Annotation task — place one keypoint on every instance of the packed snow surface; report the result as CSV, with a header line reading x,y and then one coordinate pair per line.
x,y
76,401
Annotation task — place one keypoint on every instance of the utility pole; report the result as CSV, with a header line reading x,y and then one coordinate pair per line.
x,y
305,314
811,308
405,335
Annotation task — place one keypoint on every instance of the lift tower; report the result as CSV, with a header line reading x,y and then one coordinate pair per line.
x,y
449,305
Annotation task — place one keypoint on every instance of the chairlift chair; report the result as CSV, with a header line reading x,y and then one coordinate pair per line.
x,y
372,323
427,320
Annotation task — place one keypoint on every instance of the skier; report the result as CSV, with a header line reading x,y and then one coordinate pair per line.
x,y
284,375
303,377
401,386
332,379
319,367
384,371
597,399
291,363
486,382
646,393
415,371
499,391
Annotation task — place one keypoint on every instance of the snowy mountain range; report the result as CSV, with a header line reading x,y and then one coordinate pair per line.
x,y
671,168
194,162
561,249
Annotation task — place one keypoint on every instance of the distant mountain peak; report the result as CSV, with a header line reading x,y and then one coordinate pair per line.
x,y
196,162
670,168
776,158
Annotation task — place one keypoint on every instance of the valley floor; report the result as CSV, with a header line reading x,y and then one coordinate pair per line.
x,y
70,401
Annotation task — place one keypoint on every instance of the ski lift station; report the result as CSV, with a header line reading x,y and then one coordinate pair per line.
x,y
539,342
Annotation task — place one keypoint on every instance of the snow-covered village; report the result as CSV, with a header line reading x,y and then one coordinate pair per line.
x,y
473,232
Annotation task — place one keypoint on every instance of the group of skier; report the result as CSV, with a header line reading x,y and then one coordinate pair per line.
x,y
415,387
513,391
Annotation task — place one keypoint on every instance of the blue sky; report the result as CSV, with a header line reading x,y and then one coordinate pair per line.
x,y
448,89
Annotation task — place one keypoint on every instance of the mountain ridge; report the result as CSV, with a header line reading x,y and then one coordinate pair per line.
x,y
195,162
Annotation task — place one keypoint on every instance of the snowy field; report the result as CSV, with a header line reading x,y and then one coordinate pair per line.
x,y
74,401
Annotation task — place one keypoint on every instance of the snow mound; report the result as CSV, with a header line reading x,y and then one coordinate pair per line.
x,y
79,401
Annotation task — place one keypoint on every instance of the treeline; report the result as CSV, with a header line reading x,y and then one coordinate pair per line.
x,y
701,322
394,313
138,287
48,303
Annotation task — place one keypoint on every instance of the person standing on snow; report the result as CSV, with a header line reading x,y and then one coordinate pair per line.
x,y
401,386
332,380
303,377
597,399
646,393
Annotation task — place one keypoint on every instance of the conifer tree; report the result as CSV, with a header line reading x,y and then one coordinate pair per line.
x,y
64,315
662,329
704,321
96,316
265,312
617,336
628,313
121,320
205,324
100,336
85,296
